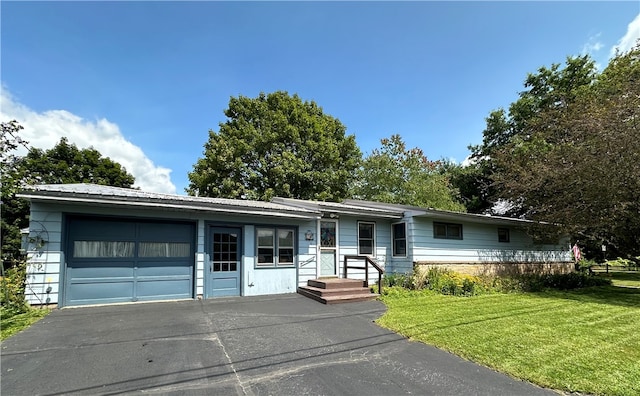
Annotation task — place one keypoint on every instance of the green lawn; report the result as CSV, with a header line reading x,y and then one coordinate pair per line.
x,y
12,324
585,341
624,279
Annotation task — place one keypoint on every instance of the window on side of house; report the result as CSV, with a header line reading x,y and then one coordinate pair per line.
x,y
266,247
399,235
285,247
275,247
503,235
447,230
366,238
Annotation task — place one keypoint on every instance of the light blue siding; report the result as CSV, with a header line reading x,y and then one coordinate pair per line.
x,y
480,245
307,253
47,268
402,264
348,245
45,262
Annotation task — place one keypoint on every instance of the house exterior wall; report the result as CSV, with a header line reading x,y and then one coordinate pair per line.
x,y
348,245
402,264
47,263
480,250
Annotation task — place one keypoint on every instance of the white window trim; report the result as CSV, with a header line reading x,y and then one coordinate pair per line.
x,y
276,249
373,239
393,241
272,264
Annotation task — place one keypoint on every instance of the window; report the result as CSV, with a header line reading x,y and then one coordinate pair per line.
x,y
447,231
503,235
266,247
98,249
164,249
399,235
275,247
285,247
366,238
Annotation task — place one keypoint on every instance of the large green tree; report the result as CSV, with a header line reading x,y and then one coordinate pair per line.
x,y
554,87
64,163
396,174
10,141
577,161
470,185
276,145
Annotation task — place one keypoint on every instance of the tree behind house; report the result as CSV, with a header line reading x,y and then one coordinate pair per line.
x,y
578,162
395,174
276,145
64,163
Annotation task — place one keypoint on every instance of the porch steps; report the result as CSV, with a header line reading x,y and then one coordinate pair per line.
x,y
335,291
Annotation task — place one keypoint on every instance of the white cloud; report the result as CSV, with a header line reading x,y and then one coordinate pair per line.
x,y
593,45
44,130
628,41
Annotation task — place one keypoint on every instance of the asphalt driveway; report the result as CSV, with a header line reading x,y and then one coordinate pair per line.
x,y
276,345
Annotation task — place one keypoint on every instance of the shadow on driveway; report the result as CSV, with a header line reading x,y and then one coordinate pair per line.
x,y
276,345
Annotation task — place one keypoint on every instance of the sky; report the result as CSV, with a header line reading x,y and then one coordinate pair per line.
x,y
145,82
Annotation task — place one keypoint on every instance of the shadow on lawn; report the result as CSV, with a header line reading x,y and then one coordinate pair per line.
x,y
610,295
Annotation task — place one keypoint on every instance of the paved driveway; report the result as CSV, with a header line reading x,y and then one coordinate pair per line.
x,y
276,345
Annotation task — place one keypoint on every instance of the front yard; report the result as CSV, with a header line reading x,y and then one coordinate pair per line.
x,y
12,323
585,341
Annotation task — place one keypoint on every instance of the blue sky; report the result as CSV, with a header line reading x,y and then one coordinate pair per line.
x,y
144,82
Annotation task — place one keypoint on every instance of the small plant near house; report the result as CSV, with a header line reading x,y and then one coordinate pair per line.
x,y
438,280
13,283
447,282
398,280
453,283
15,312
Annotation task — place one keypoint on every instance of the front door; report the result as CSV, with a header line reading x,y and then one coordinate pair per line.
x,y
224,270
328,248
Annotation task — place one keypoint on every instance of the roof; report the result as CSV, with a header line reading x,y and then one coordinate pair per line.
x,y
416,211
335,209
116,196
278,207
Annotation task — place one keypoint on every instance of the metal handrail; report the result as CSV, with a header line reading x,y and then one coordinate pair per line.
x,y
367,261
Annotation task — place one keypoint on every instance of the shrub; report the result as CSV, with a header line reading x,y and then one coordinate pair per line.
x,y
12,289
620,262
585,265
396,279
572,280
445,281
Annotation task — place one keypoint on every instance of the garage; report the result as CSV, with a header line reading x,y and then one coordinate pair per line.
x,y
114,260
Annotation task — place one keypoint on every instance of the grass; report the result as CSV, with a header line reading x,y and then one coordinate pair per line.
x,y
623,279
11,324
584,341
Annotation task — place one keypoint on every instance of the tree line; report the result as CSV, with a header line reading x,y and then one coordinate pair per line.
x,y
566,152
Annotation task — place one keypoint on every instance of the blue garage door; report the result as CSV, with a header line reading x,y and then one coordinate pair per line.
x,y
112,261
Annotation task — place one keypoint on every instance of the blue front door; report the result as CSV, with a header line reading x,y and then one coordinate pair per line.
x,y
224,271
